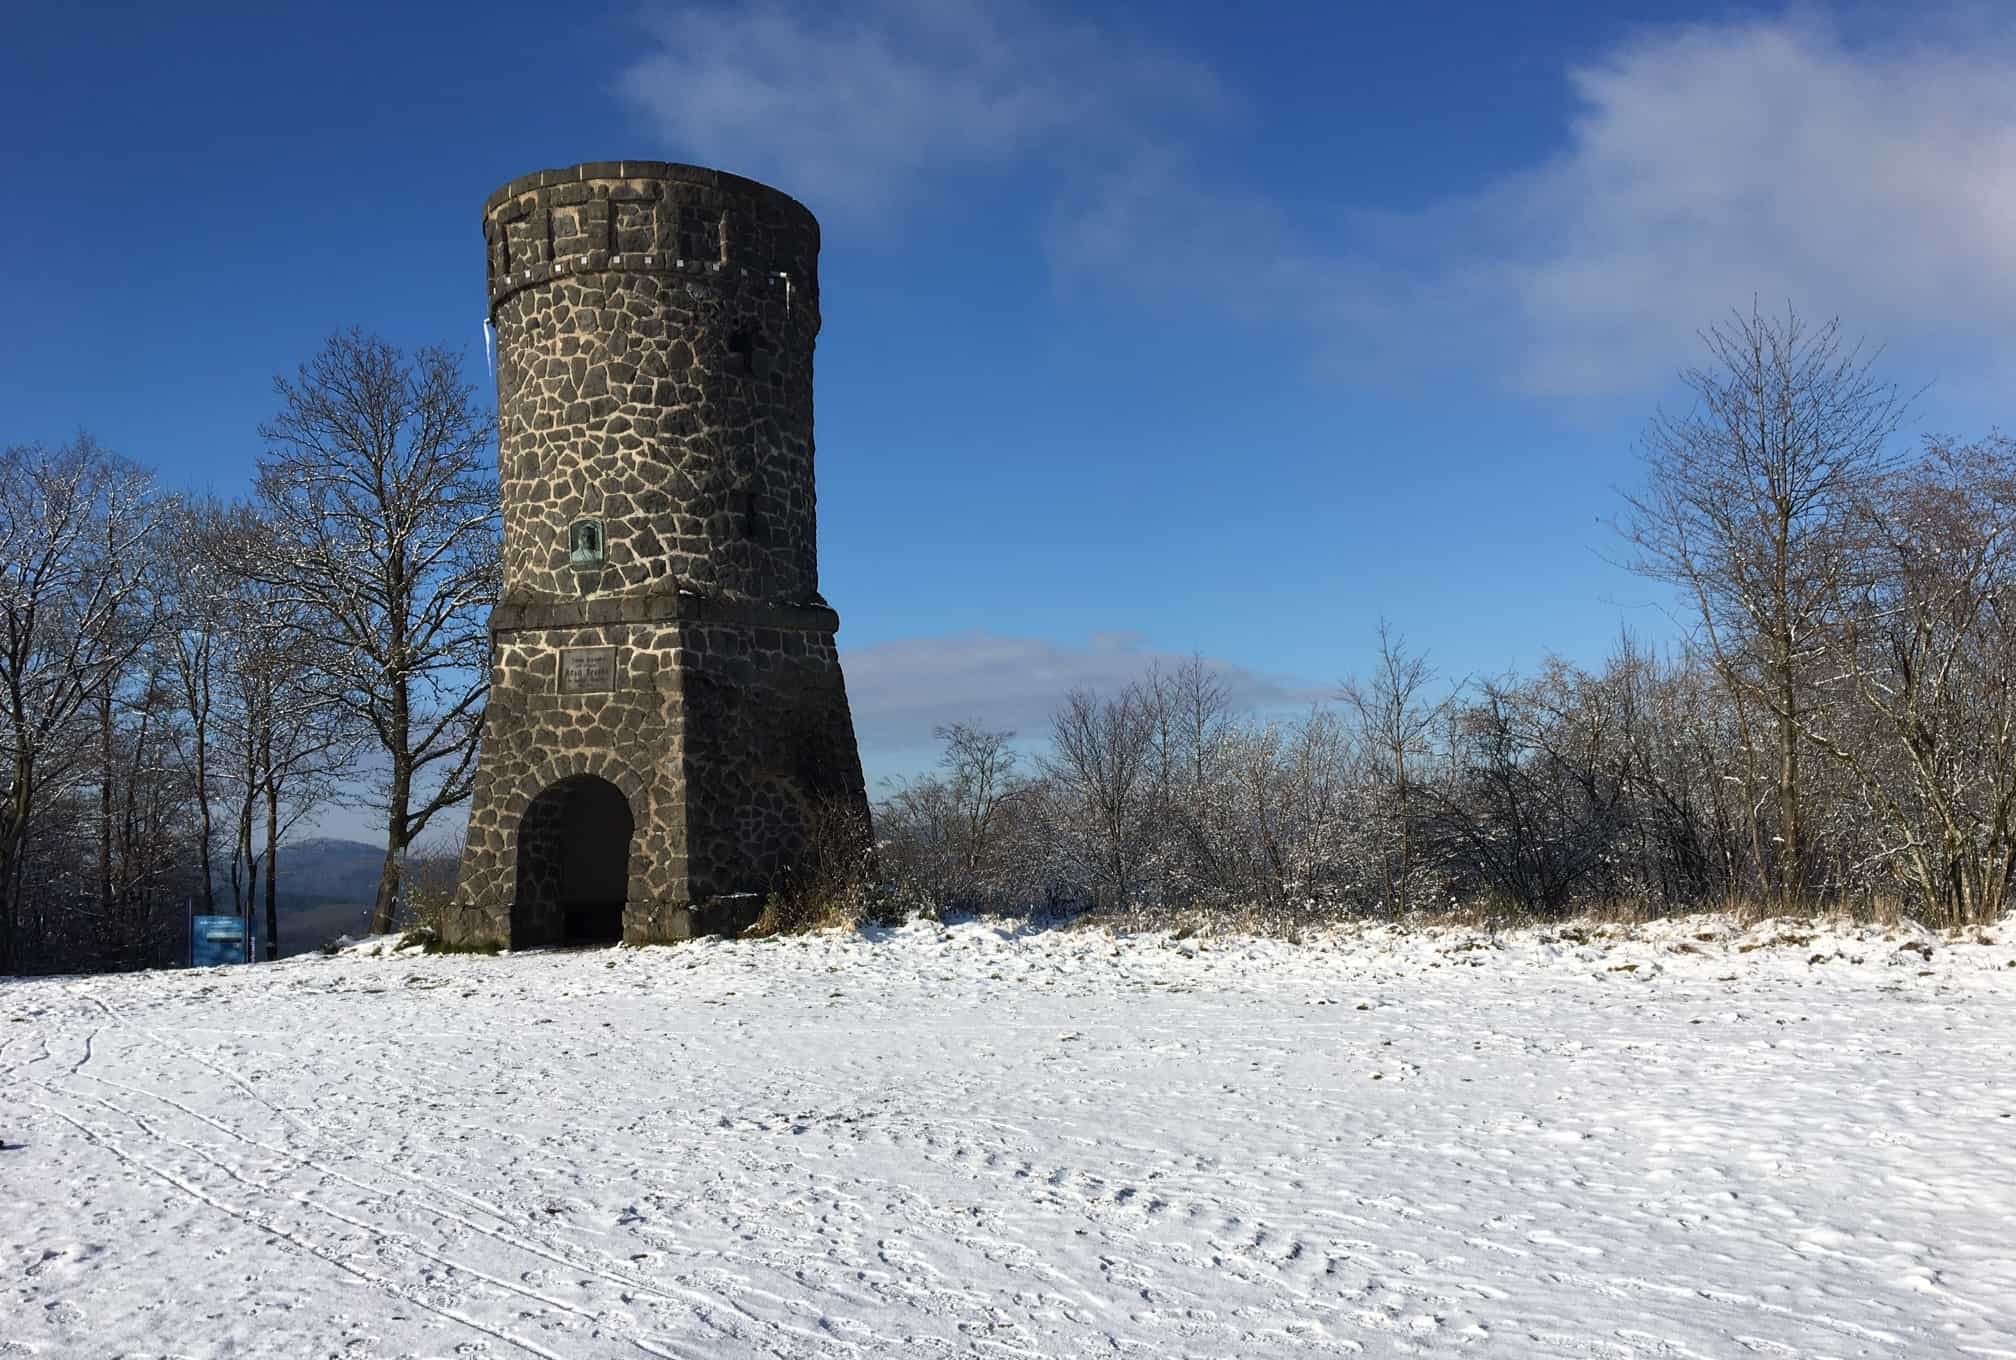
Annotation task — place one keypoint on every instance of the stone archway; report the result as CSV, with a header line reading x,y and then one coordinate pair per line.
x,y
573,864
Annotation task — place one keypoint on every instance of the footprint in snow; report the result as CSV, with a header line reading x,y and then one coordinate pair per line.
x,y
64,1313
49,1255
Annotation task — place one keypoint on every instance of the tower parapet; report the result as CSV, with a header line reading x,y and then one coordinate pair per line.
x,y
646,217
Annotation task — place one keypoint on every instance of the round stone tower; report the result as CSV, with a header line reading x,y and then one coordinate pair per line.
x,y
667,721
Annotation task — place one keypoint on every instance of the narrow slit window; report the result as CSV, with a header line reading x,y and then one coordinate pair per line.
x,y
747,518
700,236
742,353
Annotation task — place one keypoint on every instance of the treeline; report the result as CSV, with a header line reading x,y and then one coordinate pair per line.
x,y
1836,727
184,680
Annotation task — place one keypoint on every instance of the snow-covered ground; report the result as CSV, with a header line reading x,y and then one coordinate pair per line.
x,y
973,1141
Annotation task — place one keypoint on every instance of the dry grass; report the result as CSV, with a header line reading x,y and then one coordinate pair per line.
x,y
833,886
1491,916
1188,921
796,912
1743,911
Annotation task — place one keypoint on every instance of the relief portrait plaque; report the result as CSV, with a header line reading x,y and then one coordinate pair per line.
x,y
585,670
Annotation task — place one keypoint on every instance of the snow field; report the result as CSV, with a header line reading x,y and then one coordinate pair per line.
x,y
1786,1141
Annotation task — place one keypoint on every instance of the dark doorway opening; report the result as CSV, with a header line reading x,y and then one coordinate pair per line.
x,y
573,865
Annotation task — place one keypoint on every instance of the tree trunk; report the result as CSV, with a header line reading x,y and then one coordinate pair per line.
x,y
133,869
105,802
244,899
201,738
384,908
11,875
12,842
272,860
1791,854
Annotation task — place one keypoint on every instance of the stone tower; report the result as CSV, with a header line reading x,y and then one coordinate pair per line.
x,y
667,716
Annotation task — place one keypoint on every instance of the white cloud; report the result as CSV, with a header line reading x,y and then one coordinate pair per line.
x,y
899,691
1714,163
853,106
1708,163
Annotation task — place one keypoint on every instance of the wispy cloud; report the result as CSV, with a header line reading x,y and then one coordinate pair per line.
x,y
856,106
1717,162
901,690
1707,163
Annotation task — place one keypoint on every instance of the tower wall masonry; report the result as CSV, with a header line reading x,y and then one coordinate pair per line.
x,y
661,626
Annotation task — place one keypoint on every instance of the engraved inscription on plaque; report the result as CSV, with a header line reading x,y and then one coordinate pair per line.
x,y
584,670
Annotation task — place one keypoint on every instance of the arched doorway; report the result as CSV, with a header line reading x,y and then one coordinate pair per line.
x,y
573,865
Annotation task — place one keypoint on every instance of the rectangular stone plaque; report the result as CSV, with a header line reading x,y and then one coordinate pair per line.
x,y
584,670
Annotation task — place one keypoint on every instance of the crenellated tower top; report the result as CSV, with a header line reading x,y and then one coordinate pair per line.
x,y
650,217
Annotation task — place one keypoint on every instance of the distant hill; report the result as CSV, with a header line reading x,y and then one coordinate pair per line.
x,y
326,889
326,867
327,886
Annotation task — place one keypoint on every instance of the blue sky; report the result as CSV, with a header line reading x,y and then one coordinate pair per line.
x,y
1149,328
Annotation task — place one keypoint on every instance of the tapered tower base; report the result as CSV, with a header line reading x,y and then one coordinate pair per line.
x,y
651,769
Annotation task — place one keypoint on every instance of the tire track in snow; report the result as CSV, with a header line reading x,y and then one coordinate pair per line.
x,y
699,1304
185,1051
376,1234
252,1221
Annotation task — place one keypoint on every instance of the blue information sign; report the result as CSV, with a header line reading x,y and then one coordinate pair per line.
x,y
216,939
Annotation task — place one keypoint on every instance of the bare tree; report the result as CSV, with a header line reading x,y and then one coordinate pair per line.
x,y
1191,711
1536,801
918,828
380,511
287,731
196,596
1926,653
306,747
1102,761
1396,720
1745,510
74,524
144,829
979,765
